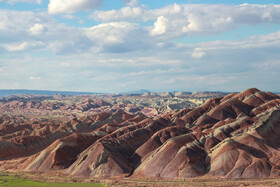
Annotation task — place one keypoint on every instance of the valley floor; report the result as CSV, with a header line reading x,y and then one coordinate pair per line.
x,y
57,180
8,179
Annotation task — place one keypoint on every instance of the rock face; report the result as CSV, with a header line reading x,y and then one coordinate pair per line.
x,y
236,136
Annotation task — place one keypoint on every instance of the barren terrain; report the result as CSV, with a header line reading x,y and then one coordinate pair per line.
x,y
149,104
232,138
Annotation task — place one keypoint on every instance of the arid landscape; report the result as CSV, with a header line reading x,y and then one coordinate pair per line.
x,y
139,93
149,104
232,137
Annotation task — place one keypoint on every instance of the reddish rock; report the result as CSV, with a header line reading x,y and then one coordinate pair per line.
x,y
60,154
236,136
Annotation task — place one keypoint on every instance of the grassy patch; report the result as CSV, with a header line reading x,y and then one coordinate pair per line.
x,y
14,181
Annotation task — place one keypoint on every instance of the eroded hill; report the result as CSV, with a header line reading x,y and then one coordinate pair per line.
x,y
150,104
236,136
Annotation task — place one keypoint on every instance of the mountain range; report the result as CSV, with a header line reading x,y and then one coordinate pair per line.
x,y
8,92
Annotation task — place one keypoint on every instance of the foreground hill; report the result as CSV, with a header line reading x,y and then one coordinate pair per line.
x,y
236,136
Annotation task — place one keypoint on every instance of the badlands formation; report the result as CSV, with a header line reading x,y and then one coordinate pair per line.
x,y
235,136
150,104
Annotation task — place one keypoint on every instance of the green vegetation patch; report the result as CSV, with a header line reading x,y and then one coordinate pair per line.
x,y
15,181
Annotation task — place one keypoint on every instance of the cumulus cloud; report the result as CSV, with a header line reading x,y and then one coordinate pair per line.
x,y
34,78
20,47
193,19
230,65
160,26
37,29
119,53
66,6
2,26
70,16
16,24
137,13
198,53
131,2
118,37
24,46
24,31
125,13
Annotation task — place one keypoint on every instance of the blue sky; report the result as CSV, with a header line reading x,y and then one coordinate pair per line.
x,y
125,45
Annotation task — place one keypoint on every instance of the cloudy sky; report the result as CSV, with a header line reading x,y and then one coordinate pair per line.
x,y
125,45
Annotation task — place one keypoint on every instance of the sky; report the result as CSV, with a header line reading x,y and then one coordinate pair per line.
x,y
114,46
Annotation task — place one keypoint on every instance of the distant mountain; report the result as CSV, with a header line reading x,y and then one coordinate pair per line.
x,y
4,93
137,92
209,94
180,94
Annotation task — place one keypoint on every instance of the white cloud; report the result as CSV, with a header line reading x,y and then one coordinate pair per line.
x,y
70,16
20,47
131,2
26,28
16,25
65,64
67,6
2,26
125,13
22,31
160,26
229,66
137,13
221,21
23,46
34,78
37,29
194,19
118,37
127,52
198,53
